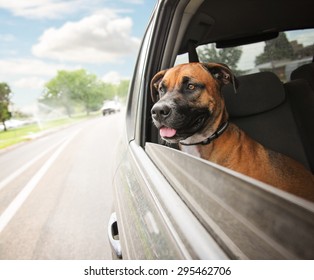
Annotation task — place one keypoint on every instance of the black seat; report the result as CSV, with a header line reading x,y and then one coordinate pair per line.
x,y
301,97
262,109
305,72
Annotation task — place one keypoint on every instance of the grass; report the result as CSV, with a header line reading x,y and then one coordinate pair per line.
x,y
21,134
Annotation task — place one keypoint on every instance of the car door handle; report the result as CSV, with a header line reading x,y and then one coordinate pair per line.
x,y
113,235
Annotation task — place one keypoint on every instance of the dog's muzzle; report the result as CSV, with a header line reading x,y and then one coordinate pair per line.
x,y
161,114
178,122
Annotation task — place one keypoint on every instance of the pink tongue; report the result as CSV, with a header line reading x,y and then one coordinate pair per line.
x,y
167,132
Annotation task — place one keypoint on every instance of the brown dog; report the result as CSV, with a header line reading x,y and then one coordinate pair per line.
x,y
191,111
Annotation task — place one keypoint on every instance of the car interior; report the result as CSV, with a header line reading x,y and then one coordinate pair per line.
x,y
275,108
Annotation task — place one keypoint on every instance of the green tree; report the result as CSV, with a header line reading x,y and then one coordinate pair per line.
x,y
116,90
123,88
228,56
74,87
276,49
110,90
120,90
5,95
58,91
88,91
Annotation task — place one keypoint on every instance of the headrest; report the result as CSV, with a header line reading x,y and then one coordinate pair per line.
x,y
306,72
257,93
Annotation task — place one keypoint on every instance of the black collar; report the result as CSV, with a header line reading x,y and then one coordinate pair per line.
x,y
215,135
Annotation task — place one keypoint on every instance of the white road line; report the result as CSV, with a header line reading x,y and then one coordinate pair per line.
x,y
18,172
15,205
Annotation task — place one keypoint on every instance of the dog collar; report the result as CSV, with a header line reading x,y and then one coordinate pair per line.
x,y
215,135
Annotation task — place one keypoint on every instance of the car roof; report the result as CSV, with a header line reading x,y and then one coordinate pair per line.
x,y
231,23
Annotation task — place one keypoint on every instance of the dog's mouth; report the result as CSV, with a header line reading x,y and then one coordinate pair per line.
x,y
168,132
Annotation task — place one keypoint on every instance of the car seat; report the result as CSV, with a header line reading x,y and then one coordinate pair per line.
x,y
262,108
305,72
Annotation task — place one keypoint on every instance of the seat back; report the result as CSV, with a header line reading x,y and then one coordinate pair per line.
x,y
301,98
305,72
261,108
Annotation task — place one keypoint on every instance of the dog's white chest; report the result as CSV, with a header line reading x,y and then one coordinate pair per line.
x,y
192,150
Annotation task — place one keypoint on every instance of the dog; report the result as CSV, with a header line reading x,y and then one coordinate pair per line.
x,y
190,110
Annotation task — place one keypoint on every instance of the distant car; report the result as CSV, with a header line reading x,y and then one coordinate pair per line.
x,y
171,205
110,107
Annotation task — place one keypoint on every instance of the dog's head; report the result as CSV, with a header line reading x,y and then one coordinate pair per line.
x,y
189,105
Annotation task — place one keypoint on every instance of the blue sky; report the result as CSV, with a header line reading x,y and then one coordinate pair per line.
x,y
40,37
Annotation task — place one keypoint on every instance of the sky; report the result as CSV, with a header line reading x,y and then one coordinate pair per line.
x,y
40,37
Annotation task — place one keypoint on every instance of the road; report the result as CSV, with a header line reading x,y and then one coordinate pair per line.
x,y
55,193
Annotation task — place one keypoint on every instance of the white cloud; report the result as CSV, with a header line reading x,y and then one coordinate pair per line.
x,y
303,37
101,37
113,77
43,8
30,83
30,67
26,77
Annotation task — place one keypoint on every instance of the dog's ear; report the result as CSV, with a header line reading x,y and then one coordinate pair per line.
x,y
222,73
154,84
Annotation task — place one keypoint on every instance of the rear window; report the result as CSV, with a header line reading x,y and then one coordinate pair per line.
x,y
281,55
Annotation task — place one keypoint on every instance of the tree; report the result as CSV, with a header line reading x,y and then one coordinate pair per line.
x,y
110,90
113,90
72,87
122,89
276,49
58,91
5,94
89,91
228,56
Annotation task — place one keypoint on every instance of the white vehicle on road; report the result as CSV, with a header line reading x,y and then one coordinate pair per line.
x,y
110,106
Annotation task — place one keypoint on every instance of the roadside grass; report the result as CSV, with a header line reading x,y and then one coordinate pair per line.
x,y
25,133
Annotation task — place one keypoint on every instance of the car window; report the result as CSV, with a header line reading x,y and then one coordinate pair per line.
x,y
281,55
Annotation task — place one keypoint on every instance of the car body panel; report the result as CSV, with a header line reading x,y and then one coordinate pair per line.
x,y
169,230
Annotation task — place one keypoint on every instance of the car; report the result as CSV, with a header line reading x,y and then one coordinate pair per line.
x,y
110,106
172,205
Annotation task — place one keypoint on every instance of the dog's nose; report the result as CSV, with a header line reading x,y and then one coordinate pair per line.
x,y
160,111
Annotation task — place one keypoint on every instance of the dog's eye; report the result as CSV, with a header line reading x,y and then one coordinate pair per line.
x,y
191,87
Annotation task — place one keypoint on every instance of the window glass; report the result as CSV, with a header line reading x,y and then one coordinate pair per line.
x,y
281,55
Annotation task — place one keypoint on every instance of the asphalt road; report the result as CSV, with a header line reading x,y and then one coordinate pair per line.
x,y
55,193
